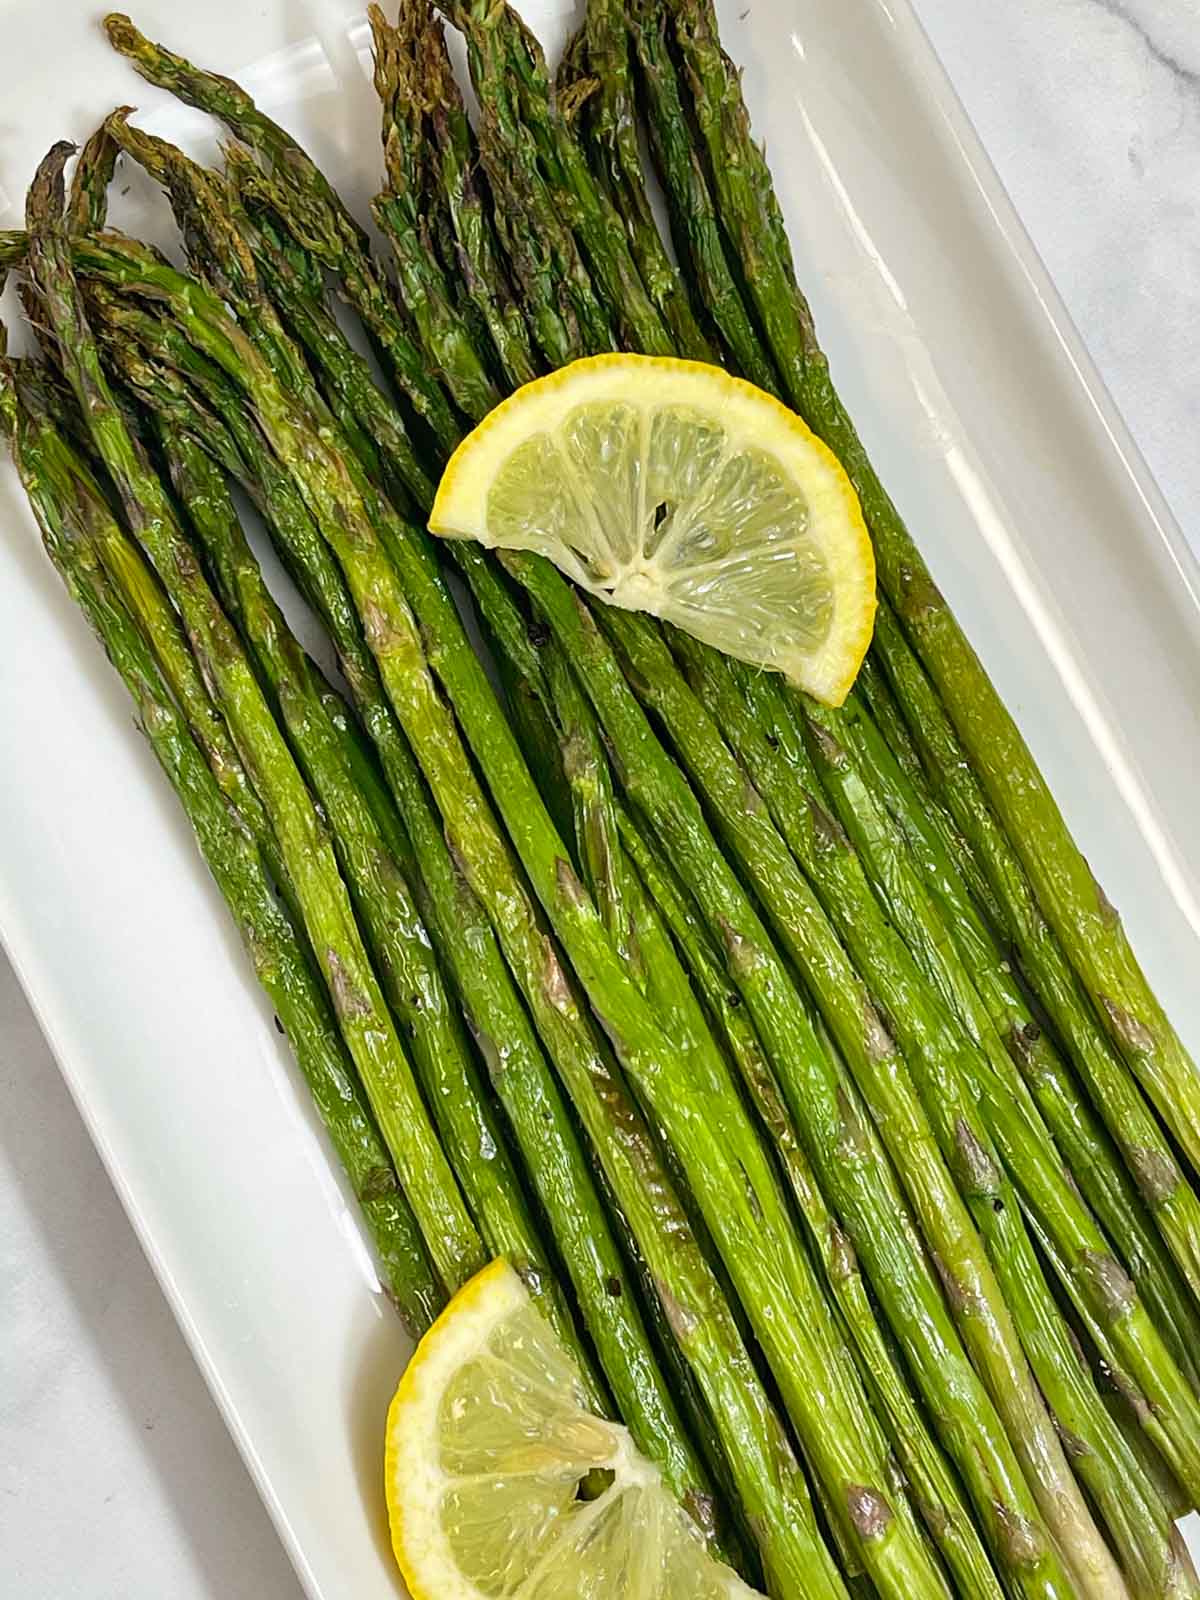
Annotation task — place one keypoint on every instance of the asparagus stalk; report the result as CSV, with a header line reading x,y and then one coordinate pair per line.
x,y
751,1253
454,160
87,207
504,54
563,308
398,940
221,245
216,234
938,1495
1009,1105
73,513
518,1069
694,226
643,939
598,846
446,253
472,567
343,373
634,928
536,737
401,217
1136,1521
315,211
738,1537
976,1100
308,857
1112,1371
160,625
608,121
888,720
863,1192
1090,1154
1147,1153
1087,925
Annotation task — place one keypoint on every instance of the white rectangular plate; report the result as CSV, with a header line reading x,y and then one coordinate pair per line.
x,y
987,423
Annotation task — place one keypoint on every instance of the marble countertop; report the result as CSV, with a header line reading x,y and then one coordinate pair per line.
x,y
1090,110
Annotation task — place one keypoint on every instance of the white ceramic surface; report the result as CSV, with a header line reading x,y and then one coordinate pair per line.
x,y
992,432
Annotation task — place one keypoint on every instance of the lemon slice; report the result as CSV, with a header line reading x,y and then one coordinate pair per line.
x,y
488,1438
670,487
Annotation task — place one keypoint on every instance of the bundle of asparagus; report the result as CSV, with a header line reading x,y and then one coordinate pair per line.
x,y
836,1132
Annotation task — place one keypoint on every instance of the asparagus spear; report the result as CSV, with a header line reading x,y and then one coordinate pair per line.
x,y
504,55
518,1069
606,873
1087,925
643,940
693,220
1138,1136
72,513
608,122
564,310
160,625
308,857
343,373
754,714
318,214
403,956
399,213
863,1191
87,208
739,1536
446,253
1020,1130
633,926
889,724
223,246
976,1100
1112,1370
454,160
1090,1154
329,483
640,937
469,567
217,234
938,1496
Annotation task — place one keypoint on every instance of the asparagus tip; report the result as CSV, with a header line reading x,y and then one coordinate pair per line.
x,y
47,194
122,34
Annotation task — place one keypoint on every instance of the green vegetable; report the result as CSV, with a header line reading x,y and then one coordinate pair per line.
x,y
935,1488
307,854
829,1118
973,1096
74,516
1087,925
399,944
1109,1082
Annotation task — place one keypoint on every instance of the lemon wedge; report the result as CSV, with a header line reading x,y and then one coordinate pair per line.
x,y
673,488
488,1438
